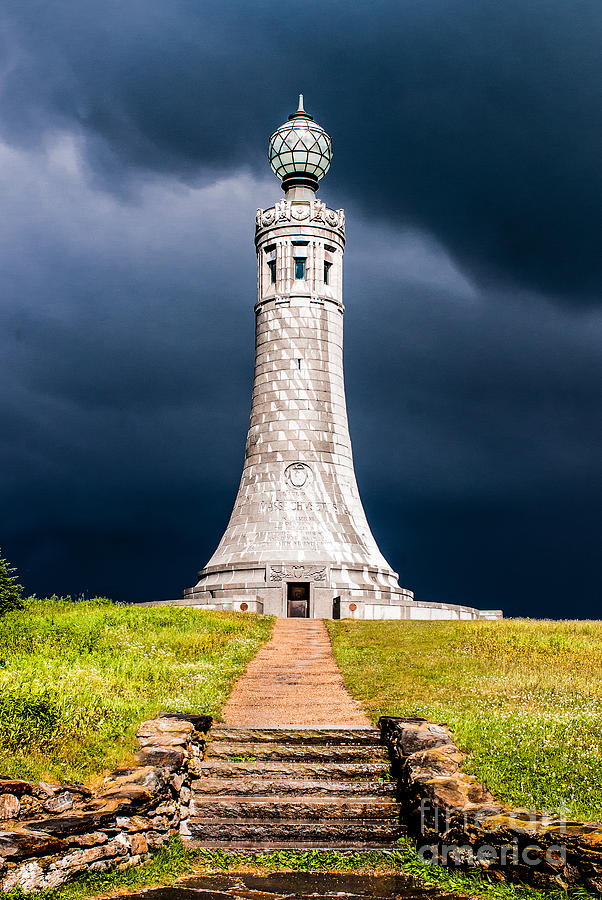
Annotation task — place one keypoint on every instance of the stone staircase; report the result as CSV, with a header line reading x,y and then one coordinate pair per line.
x,y
260,788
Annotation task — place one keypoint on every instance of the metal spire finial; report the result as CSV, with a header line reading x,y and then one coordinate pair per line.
x,y
300,113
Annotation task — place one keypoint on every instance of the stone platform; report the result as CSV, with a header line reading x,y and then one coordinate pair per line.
x,y
324,605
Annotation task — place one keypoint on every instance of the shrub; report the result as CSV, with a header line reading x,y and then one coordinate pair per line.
x,y
11,593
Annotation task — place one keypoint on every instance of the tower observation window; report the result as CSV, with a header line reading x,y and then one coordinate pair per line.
x,y
272,265
299,269
327,268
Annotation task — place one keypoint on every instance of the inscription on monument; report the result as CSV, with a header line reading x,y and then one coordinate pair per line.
x,y
302,506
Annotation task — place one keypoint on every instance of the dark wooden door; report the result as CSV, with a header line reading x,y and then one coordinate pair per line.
x,y
298,600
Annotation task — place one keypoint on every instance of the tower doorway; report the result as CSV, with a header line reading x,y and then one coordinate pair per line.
x,y
297,595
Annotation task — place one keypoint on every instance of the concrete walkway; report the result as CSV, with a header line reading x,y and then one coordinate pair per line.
x,y
294,681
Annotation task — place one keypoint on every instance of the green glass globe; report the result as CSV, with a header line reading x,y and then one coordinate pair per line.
x,y
300,151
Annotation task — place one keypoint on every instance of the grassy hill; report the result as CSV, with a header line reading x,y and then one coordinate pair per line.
x,y
76,679
523,697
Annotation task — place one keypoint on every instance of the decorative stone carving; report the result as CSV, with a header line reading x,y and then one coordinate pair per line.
x,y
317,210
299,212
266,218
292,572
297,474
290,211
282,210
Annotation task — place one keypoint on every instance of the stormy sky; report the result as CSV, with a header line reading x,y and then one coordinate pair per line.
x,y
468,156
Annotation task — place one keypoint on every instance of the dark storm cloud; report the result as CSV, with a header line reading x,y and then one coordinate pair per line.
x,y
480,122
467,147
477,432
123,405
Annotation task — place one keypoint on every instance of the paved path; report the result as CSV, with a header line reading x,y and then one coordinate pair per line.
x,y
294,681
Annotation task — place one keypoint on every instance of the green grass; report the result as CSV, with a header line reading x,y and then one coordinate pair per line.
x,y
522,697
76,679
173,862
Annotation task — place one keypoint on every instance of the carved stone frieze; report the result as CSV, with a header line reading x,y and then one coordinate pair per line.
x,y
289,211
286,572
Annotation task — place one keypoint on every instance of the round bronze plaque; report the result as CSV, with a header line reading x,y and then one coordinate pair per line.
x,y
352,607
244,606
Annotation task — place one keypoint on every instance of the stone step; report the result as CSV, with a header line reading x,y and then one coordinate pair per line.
x,y
292,769
305,808
350,834
266,846
251,785
288,885
252,751
296,735
268,788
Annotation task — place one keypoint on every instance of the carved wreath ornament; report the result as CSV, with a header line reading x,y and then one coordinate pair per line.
x,y
297,474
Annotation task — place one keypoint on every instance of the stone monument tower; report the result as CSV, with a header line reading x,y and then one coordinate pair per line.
x,y
298,542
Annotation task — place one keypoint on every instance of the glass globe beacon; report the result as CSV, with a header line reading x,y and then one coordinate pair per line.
x,y
300,151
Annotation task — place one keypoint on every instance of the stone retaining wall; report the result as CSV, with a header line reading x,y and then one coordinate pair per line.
x,y
51,833
457,822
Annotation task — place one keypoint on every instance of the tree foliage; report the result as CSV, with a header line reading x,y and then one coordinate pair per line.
x,y
11,593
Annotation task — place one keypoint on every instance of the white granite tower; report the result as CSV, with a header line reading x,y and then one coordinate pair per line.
x,y
298,542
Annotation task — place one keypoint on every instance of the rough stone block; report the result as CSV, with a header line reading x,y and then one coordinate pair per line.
x,y
161,728
171,758
10,807
60,803
26,842
139,844
91,839
17,787
28,877
133,824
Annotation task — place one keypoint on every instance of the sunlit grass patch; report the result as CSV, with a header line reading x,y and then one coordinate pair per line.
x,y
523,697
76,679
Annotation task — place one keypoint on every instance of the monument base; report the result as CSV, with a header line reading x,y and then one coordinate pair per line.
x,y
317,590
